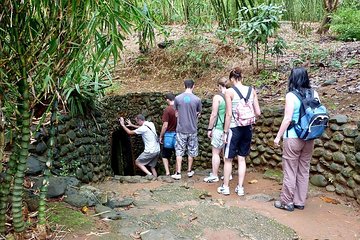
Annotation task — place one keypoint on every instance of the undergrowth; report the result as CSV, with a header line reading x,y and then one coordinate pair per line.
x,y
188,57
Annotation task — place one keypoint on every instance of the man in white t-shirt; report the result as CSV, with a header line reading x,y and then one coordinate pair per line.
x,y
151,152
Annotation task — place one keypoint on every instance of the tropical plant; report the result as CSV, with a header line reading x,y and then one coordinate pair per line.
x,y
48,49
278,48
257,30
346,24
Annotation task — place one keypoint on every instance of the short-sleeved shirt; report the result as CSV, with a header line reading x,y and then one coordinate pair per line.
x,y
295,117
148,134
188,106
169,117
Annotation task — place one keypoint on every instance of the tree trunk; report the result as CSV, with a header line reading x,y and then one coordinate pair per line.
x,y
2,135
330,6
5,186
44,187
24,113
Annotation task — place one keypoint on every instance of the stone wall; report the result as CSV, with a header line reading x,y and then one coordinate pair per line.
x,y
82,149
336,159
86,147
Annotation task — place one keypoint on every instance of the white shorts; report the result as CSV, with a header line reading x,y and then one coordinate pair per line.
x,y
217,138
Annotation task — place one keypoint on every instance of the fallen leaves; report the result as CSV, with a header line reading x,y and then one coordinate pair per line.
x,y
330,200
253,181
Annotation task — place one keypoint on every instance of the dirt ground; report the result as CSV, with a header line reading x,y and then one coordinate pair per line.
x,y
334,69
320,219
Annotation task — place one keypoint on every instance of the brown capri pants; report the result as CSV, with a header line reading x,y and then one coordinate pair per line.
x,y
297,154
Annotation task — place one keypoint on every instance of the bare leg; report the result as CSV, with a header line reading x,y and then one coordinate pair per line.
x,y
190,163
215,161
241,170
166,166
178,163
153,170
227,171
142,167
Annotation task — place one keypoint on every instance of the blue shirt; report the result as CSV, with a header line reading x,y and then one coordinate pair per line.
x,y
295,117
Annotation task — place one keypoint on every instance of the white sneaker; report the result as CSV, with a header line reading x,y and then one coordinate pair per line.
x,y
240,191
191,173
231,177
223,190
211,178
176,176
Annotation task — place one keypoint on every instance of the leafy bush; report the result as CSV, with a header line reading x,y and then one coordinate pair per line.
x,y
258,29
346,24
192,56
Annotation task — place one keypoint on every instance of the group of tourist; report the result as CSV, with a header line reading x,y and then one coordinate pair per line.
x,y
234,110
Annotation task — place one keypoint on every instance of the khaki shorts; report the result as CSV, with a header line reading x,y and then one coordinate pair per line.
x,y
148,159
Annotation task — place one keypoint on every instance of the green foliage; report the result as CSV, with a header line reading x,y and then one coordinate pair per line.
x,y
315,55
54,50
62,214
335,64
68,168
351,63
346,24
193,56
278,48
267,78
302,12
258,29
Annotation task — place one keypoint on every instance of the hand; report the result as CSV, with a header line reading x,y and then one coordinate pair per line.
x,y
121,120
128,122
161,140
224,137
276,141
209,133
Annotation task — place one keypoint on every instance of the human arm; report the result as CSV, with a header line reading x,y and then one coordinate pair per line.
x,y
289,110
127,130
163,130
214,113
199,108
129,124
229,95
256,104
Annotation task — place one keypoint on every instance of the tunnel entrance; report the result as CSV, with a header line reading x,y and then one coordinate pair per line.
x,y
122,157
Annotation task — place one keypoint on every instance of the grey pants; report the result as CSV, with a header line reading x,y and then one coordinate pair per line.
x,y
297,154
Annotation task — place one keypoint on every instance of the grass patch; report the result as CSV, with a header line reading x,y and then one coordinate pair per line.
x,y
273,174
62,214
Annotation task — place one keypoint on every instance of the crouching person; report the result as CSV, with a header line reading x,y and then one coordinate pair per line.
x,y
151,152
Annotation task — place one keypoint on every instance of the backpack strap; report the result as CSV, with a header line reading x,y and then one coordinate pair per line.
x,y
308,93
241,96
151,131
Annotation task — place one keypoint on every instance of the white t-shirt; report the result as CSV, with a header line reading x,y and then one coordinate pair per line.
x,y
149,137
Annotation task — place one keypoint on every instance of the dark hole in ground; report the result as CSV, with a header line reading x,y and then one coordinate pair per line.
x,y
122,161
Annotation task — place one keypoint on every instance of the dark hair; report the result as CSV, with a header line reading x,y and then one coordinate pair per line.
x,y
235,73
189,83
170,96
140,117
298,80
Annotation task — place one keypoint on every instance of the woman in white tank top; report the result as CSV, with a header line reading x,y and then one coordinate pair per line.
x,y
237,136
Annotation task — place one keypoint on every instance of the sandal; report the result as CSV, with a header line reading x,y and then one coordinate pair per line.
x,y
288,207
